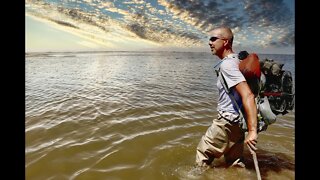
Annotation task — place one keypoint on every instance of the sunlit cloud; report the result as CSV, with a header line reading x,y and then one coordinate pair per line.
x,y
169,23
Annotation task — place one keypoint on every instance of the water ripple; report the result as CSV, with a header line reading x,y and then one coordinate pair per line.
x,y
132,116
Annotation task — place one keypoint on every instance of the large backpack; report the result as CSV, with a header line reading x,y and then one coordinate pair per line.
x,y
271,86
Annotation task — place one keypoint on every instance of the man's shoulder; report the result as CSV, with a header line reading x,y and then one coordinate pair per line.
x,y
230,62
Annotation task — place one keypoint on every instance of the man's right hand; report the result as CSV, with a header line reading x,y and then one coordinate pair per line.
x,y
251,140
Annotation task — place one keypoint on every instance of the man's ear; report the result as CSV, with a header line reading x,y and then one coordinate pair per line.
x,y
226,42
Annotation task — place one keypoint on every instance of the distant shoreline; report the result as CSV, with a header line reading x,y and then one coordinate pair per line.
x,y
54,52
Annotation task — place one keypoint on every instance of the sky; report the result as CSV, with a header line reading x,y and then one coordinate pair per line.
x,y
261,26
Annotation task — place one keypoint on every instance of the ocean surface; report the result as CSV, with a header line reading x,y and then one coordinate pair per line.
x,y
134,115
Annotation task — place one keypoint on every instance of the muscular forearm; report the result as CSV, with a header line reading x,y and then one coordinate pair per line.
x,y
250,111
251,116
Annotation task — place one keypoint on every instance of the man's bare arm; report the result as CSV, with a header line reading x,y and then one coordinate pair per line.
x,y
250,109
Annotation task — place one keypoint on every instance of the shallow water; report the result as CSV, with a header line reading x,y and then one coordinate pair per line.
x,y
134,115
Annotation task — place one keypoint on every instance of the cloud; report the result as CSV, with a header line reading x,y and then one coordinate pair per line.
x,y
249,15
65,24
179,23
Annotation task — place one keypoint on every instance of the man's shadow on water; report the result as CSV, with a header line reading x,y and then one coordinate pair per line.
x,y
268,161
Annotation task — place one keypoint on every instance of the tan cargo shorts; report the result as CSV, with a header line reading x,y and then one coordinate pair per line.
x,y
222,138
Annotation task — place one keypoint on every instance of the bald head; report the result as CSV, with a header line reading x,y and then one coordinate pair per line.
x,y
223,32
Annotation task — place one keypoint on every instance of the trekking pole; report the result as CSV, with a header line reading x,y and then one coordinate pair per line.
x,y
255,160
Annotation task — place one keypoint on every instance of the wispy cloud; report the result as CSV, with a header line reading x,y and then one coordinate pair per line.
x,y
176,23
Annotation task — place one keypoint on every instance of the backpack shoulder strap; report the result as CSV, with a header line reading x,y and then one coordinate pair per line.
x,y
243,123
225,86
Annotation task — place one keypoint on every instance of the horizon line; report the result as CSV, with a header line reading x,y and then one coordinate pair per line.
x,y
97,51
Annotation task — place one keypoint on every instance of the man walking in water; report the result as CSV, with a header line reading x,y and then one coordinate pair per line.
x,y
224,136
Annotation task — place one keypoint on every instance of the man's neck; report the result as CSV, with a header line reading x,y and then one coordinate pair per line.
x,y
226,53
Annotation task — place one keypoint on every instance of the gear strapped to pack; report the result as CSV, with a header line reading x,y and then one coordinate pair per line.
x,y
277,86
264,88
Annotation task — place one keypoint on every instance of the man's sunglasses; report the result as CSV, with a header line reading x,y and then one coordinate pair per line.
x,y
212,39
